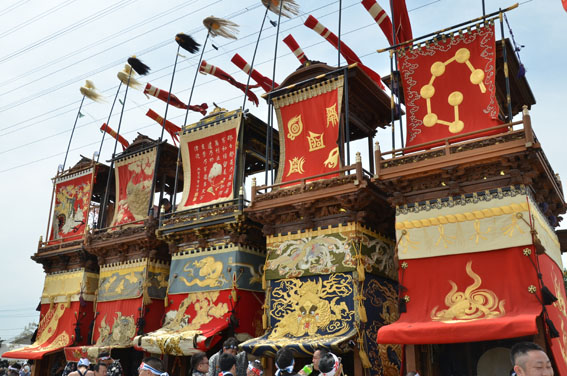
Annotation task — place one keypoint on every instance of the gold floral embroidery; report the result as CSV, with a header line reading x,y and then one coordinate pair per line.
x,y
472,304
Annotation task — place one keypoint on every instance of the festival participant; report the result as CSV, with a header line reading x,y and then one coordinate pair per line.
x,y
313,368
255,368
230,346
82,368
152,366
14,370
113,367
330,365
200,364
529,359
285,362
227,363
100,369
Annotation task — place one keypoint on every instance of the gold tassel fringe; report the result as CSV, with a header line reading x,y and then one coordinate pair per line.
x,y
362,312
364,358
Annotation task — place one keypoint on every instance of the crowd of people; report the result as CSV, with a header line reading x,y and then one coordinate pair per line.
x,y
528,359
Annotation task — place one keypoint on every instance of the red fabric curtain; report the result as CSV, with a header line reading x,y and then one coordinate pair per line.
x,y
56,330
466,298
553,280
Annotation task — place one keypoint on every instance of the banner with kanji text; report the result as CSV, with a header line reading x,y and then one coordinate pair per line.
x,y
209,156
309,121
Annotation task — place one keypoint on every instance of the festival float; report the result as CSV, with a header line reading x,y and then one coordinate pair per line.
x,y
436,256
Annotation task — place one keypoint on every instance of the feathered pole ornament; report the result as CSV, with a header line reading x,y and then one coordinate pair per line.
x,y
286,8
89,91
187,43
133,66
215,27
219,27
126,77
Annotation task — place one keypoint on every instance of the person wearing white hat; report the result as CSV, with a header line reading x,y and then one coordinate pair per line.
x,y
82,368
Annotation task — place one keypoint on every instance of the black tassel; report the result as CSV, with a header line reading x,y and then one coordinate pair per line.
x,y
34,336
402,308
274,23
215,47
553,333
140,324
547,296
140,68
187,43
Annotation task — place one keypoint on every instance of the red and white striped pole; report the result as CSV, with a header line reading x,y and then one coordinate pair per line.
x,y
294,47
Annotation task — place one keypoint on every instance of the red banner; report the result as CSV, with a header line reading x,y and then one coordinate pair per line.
x,y
72,200
209,155
56,330
449,87
553,279
116,326
467,298
309,131
134,175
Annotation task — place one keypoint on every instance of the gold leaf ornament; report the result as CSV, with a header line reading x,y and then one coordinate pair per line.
x,y
221,27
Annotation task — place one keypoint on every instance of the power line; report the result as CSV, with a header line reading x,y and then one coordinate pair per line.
x,y
36,18
110,65
92,45
85,21
88,74
147,104
10,8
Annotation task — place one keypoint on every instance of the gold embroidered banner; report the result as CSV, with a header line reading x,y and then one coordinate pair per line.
x,y
329,250
134,175
308,121
482,222
133,279
67,287
216,268
197,315
72,200
209,156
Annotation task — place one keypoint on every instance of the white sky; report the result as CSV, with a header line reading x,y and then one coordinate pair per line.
x,y
48,49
